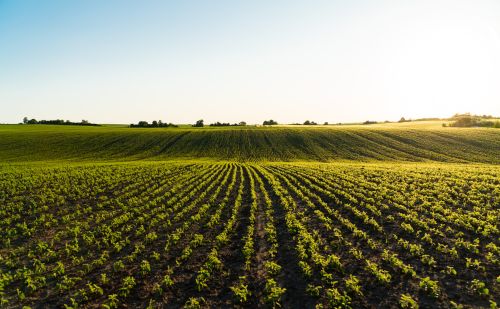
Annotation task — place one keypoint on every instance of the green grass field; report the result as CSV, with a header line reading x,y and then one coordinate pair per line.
x,y
353,216
419,141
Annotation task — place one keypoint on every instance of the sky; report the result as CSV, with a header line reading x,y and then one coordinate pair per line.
x,y
179,61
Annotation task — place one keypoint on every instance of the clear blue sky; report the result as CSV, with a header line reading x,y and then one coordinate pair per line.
x,y
179,61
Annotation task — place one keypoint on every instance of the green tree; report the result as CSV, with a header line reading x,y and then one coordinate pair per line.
x,y
199,124
269,122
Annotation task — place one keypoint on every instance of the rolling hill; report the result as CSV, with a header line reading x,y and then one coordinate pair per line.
x,y
386,142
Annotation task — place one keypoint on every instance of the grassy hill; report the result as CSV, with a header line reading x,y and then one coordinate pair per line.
x,y
114,216
419,141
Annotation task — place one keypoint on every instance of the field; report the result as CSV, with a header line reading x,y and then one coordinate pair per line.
x,y
341,216
426,141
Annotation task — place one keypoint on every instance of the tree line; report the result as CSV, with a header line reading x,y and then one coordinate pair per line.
x,y
58,122
154,124
200,124
468,120
227,124
458,120
269,122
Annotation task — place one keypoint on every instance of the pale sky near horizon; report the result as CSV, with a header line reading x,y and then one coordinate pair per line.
x,y
179,61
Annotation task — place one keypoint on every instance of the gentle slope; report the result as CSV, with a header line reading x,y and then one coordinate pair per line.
x,y
335,143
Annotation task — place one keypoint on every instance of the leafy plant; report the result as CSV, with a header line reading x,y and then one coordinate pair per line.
x,y
429,286
406,301
479,288
241,292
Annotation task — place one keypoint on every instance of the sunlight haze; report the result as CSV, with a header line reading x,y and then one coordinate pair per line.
x,y
231,61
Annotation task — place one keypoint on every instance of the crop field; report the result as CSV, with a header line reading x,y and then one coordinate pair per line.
x,y
251,234
249,154
419,142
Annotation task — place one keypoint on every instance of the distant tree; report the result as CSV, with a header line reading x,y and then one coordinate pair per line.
x,y
227,124
369,122
307,122
199,124
58,122
154,124
402,119
465,120
269,122
468,120
326,123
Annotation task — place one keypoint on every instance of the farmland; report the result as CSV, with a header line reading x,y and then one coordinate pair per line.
x,y
356,217
426,141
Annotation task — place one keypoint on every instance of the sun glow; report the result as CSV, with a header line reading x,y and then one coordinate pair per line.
x,y
332,61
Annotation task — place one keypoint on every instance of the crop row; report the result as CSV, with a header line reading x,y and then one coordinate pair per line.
x,y
227,234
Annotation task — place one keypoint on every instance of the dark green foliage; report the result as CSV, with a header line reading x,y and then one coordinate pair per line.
x,y
269,122
59,122
154,124
227,124
199,124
